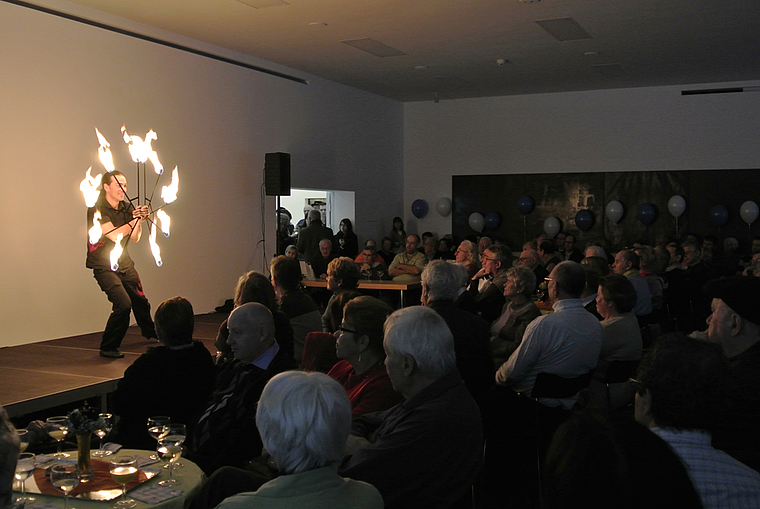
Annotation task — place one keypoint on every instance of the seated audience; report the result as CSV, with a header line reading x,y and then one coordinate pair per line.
x,y
310,238
319,347
530,258
225,433
320,262
487,286
386,251
300,309
681,399
430,248
255,287
483,244
359,345
398,236
304,420
408,265
444,249
694,276
342,276
291,252
548,255
507,330
598,262
754,266
590,292
441,285
427,450
9,451
570,253
150,385
370,263
735,325
465,255
627,264
597,464
346,242
594,250
656,284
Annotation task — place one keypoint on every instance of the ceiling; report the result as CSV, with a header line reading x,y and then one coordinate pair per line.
x,y
451,48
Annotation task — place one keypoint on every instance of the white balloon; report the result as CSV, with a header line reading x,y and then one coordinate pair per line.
x,y
676,206
614,211
477,221
551,226
443,206
749,211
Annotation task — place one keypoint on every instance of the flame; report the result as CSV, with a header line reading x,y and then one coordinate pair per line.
x,y
96,231
116,253
165,221
89,188
104,153
141,151
153,246
169,193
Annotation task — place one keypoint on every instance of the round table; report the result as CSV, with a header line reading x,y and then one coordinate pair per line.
x,y
190,476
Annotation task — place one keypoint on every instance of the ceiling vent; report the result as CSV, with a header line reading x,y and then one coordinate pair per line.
x,y
261,4
564,29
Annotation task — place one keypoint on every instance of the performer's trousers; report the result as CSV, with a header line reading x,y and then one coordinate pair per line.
x,y
124,291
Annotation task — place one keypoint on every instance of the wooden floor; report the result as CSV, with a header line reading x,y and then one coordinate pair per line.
x,y
40,376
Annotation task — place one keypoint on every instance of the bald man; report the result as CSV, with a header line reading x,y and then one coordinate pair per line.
x,y
226,432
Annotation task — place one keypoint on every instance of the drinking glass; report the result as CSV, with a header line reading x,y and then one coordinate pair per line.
x,y
177,433
24,468
380,273
65,477
169,450
23,437
58,428
105,424
123,471
158,426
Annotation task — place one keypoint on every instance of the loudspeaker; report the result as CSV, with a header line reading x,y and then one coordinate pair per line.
x,y
277,174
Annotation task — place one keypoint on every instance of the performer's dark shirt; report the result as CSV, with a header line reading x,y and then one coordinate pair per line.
x,y
99,255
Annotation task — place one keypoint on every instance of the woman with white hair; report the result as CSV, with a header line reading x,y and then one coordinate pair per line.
x,y
304,420
465,255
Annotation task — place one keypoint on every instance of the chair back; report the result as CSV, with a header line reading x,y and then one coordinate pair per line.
x,y
620,371
553,386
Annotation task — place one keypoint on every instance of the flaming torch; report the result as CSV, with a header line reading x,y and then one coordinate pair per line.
x,y
96,231
165,220
169,193
153,246
116,253
89,188
104,153
140,149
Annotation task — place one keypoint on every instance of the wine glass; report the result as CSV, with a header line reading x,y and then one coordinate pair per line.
x,y
23,437
123,471
24,468
105,424
177,433
380,273
169,450
158,426
65,477
58,428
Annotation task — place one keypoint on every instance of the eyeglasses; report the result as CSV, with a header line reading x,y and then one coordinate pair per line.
x,y
487,259
637,386
342,330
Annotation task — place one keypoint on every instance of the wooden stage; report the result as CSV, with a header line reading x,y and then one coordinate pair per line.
x,y
38,376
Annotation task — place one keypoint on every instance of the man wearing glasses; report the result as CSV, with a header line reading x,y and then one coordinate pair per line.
x,y
487,286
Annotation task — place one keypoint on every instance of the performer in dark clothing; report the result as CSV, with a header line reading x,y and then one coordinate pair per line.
x,y
119,222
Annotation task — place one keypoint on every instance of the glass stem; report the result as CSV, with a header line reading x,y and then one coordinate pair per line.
x,y
65,501
171,470
124,493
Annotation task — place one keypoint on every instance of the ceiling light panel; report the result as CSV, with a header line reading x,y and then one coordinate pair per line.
x,y
261,4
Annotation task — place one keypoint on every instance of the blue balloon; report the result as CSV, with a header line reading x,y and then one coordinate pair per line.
x,y
718,215
493,220
584,220
525,204
419,208
646,213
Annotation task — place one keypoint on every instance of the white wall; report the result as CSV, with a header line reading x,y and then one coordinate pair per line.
x,y
60,79
609,130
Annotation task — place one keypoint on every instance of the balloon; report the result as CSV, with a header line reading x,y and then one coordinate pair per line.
x,y
525,204
646,213
443,206
676,206
476,221
584,220
419,208
749,211
492,220
614,211
551,226
718,215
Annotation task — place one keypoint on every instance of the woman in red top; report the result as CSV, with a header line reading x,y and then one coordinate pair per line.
x,y
359,343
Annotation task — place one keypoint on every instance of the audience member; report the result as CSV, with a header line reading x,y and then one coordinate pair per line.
x,y
370,263
597,464
735,325
427,450
547,253
627,264
487,286
408,265
754,266
429,248
398,236
695,274
304,420
441,285
225,434
681,399
570,253
310,237
598,262
359,345
483,244
322,260
387,251
656,284
300,309
346,242
9,451
444,249
342,275
530,258
319,347
291,252
465,255
150,385
507,331
590,292
593,250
